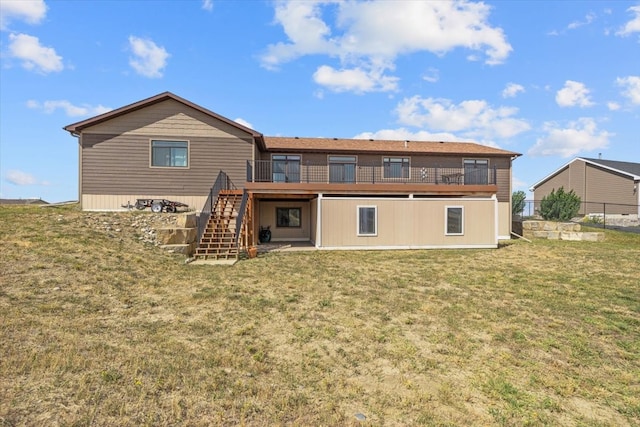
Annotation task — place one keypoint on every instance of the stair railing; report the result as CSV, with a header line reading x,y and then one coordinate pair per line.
x,y
240,218
223,182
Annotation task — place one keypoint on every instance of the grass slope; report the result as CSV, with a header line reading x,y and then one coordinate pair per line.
x,y
98,328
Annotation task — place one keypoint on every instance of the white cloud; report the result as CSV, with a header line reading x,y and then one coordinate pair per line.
x,y
613,106
355,80
587,20
367,37
69,109
511,90
432,75
632,26
33,55
30,11
573,94
149,59
579,136
243,123
207,5
17,177
473,119
631,85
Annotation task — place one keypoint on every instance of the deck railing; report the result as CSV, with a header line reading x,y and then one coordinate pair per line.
x,y
352,173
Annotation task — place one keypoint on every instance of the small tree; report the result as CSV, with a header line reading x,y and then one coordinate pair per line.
x,y
559,205
518,202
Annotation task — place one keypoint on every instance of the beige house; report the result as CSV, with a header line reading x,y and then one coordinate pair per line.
x,y
333,193
604,186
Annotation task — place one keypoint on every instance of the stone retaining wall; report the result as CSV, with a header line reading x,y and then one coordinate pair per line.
x,y
181,238
558,231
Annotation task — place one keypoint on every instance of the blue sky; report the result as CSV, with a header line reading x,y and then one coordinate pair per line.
x,y
549,79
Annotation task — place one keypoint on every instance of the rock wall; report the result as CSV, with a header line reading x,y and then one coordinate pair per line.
x,y
181,238
558,231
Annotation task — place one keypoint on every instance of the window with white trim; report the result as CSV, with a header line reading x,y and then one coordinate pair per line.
x,y
395,167
367,220
169,154
454,220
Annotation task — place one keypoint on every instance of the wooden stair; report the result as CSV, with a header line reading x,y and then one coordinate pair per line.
x,y
219,238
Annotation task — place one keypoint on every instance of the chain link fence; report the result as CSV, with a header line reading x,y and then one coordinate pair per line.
x,y
597,214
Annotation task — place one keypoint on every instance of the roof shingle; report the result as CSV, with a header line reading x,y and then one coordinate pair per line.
x,y
380,146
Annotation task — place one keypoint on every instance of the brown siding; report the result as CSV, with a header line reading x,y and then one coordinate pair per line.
x,y
561,179
120,164
576,179
416,162
169,118
614,189
594,185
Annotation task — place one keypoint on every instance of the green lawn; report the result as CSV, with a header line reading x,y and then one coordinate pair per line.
x,y
99,328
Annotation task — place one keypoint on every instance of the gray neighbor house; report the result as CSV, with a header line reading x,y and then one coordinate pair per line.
x,y
604,186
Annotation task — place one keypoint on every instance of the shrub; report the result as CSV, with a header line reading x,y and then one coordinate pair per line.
x,y
559,205
518,202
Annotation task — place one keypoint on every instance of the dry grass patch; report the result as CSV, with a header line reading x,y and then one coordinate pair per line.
x,y
99,328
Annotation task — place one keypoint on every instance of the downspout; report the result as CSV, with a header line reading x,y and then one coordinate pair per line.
x,y
79,136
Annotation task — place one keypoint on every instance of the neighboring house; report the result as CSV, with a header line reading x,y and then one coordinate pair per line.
x,y
23,202
334,193
601,185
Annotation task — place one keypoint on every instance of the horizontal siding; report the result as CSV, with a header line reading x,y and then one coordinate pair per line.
x,y
577,179
562,179
604,186
169,118
119,164
596,186
416,162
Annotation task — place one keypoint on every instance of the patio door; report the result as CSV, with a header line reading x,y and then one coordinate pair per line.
x,y
286,168
342,169
476,171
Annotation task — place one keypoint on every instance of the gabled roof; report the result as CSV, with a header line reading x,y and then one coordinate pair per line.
x,y
296,144
23,202
332,145
628,168
76,128
625,168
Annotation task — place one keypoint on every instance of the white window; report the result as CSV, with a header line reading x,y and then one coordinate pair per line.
x,y
170,154
367,220
454,219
